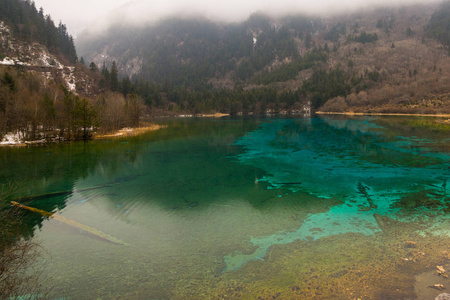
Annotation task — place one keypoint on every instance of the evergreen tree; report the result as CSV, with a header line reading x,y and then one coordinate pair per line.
x,y
9,81
104,82
84,116
105,72
93,67
126,87
114,78
308,40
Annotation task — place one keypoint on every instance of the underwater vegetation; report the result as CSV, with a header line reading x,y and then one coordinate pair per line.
x,y
315,208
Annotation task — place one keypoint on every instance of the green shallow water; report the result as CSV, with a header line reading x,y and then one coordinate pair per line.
x,y
314,208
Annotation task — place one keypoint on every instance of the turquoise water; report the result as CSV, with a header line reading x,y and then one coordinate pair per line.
x,y
348,159
325,207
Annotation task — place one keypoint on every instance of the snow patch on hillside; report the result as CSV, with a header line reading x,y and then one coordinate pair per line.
x,y
34,56
3,27
11,139
134,66
4,32
7,61
69,77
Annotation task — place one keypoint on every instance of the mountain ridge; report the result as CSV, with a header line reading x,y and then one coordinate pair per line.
x,y
372,58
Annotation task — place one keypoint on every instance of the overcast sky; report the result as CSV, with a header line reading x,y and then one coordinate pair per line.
x,y
81,14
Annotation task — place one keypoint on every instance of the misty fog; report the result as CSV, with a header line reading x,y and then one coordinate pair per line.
x,y
86,14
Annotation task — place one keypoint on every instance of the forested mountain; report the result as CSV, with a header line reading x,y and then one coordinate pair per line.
x,y
376,59
386,59
189,52
44,93
439,25
30,25
29,40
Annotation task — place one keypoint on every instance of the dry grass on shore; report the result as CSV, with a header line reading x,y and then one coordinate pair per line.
x,y
127,132
382,114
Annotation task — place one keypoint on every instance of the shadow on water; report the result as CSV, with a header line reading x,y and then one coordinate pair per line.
x,y
166,167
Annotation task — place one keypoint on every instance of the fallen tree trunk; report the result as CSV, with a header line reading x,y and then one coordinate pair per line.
x,y
72,223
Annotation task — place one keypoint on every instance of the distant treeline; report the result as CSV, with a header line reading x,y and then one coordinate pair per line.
x,y
30,25
320,87
195,65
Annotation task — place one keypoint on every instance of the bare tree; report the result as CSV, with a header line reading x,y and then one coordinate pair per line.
x,y
19,274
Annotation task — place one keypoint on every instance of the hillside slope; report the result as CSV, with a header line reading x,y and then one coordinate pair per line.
x,y
378,59
45,94
29,40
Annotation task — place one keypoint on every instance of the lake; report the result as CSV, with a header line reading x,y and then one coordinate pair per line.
x,y
327,207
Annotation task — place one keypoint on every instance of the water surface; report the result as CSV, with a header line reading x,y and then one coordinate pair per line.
x,y
324,208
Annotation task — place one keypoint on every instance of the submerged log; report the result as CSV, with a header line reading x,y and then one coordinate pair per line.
x,y
383,222
390,226
362,189
72,223
43,196
60,193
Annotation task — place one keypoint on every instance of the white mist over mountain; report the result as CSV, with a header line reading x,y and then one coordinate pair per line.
x,y
98,14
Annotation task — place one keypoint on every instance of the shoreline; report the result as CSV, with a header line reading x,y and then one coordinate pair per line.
x,y
124,132
128,132
382,114
215,115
